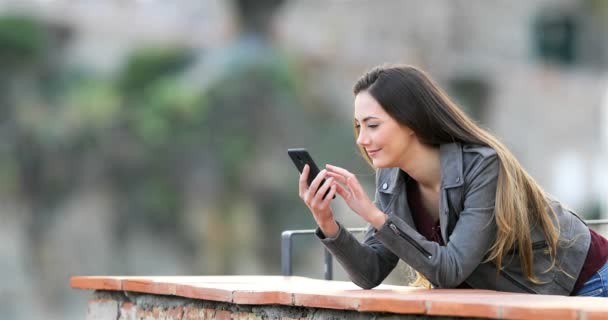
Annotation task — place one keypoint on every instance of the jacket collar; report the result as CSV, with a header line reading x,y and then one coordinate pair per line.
x,y
451,165
391,179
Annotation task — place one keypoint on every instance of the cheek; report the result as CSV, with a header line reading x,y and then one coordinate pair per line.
x,y
398,143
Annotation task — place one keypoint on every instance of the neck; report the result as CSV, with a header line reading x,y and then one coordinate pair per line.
x,y
424,166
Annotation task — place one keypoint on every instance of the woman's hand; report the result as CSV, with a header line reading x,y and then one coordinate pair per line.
x,y
319,205
352,192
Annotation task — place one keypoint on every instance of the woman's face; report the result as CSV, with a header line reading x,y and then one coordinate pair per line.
x,y
386,141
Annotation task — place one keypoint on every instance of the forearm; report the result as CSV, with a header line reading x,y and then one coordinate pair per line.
x,y
367,264
445,266
376,218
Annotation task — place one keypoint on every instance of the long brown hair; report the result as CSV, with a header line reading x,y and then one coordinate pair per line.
x,y
409,96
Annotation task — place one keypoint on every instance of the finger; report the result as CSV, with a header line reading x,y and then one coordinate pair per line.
x,y
318,198
337,176
355,188
312,189
330,195
339,170
316,182
340,179
349,179
302,184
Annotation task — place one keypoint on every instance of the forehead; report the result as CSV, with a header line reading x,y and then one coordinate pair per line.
x,y
366,106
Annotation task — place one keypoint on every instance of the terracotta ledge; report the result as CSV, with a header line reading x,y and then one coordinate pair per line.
x,y
313,293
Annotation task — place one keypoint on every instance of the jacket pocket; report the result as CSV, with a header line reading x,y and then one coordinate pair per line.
x,y
535,246
514,274
409,239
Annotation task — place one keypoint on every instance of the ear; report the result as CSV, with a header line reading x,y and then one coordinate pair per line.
x,y
409,131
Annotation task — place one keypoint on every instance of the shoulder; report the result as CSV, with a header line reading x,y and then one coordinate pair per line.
x,y
479,159
475,150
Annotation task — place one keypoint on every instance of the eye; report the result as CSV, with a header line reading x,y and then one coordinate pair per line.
x,y
357,126
372,126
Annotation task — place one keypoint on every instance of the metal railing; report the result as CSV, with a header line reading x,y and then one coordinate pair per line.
x,y
287,239
596,222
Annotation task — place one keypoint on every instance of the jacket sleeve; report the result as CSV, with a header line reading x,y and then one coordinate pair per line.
x,y
448,266
367,263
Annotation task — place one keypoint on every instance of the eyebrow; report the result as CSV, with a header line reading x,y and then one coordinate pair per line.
x,y
367,118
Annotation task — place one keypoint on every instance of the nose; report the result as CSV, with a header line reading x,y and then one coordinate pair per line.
x,y
362,139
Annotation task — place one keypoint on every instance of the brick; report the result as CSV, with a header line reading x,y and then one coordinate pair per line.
x,y
143,314
209,313
148,286
194,313
462,308
245,316
261,297
594,315
173,313
176,313
127,311
329,301
96,283
403,304
531,312
203,293
222,315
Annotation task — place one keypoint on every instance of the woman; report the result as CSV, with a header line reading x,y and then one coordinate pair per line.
x,y
451,201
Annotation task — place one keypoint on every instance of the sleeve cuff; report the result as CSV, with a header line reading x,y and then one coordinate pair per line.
x,y
322,236
385,227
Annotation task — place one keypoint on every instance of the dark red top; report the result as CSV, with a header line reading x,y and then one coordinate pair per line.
x,y
596,258
424,223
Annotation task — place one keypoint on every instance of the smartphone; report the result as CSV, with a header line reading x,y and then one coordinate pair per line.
x,y
301,157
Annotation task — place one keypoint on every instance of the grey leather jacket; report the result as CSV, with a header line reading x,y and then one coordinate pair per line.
x,y
469,175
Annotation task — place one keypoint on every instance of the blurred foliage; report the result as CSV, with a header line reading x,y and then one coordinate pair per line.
x,y
23,40
146,131
598,8
146,66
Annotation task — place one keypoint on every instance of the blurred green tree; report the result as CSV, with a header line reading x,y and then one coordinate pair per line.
x,y
169,115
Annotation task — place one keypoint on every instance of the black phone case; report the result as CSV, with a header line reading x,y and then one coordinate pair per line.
x,y
300,157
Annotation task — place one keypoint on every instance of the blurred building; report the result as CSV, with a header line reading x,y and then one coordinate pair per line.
x,y
532,72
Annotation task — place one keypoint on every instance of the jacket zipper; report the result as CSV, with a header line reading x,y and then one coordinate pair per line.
x,y
539,245
410,240
535,246
516,283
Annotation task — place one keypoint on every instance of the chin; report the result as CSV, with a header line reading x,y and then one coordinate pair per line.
x,y
379,164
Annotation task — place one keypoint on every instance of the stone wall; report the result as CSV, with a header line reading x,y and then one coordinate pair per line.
x,y
130,306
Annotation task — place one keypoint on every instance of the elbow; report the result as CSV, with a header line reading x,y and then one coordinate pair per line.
x,y
448,281
450,273
449,284
365,283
